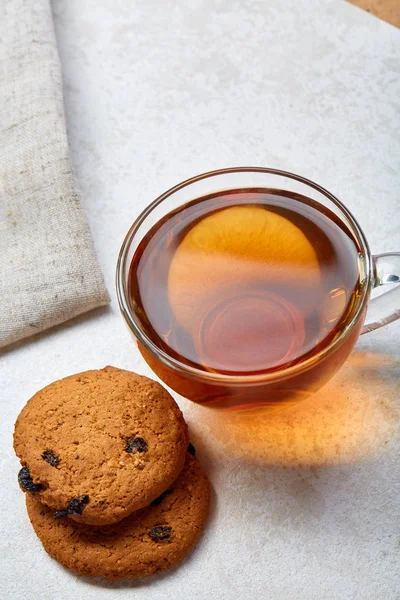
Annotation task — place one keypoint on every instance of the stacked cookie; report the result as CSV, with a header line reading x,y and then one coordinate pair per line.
x,y
113,486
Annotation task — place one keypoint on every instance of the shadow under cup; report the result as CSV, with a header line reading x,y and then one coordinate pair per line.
x,y
272,389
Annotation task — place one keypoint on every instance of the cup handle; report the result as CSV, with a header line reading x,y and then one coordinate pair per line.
x,y
386,307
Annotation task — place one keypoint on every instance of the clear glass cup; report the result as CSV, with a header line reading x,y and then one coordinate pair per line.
x,y
295,382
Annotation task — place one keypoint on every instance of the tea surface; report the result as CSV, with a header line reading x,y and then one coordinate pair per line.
x,y
245,281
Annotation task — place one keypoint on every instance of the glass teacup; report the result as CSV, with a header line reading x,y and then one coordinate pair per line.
x,y
287,382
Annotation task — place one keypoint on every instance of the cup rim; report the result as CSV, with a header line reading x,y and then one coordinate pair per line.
x,y
221,378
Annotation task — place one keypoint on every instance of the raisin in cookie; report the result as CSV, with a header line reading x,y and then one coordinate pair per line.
x,y
147,542
100,445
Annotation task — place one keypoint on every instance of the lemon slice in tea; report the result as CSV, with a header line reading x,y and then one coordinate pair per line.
x,y
234,250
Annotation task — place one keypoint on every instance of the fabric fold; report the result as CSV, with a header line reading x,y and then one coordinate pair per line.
x,y
49,272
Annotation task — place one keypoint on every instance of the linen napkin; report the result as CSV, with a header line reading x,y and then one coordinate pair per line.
x,y
48,267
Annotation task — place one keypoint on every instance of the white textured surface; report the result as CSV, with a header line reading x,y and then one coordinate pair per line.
x,y
306,502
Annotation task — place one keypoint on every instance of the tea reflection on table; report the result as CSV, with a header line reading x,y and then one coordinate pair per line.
x,y
356,414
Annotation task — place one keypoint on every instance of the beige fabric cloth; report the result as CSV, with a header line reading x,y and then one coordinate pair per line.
x,y
48,267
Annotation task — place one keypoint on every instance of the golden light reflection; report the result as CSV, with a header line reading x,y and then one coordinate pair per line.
x,y
356,413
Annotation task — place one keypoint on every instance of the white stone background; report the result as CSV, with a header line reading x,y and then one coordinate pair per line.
x,y
306,502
